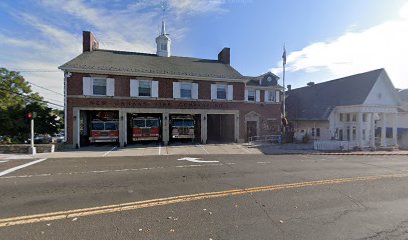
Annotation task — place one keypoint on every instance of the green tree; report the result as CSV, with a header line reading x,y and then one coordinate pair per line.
x,y
16,100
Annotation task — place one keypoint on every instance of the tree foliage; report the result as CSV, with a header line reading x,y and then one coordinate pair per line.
x,y
16,101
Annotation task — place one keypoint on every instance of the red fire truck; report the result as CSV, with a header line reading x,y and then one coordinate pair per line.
x,y
182,127
146,128
104,131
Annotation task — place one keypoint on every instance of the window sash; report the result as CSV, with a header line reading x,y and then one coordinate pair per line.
x,y
145,88
251,95
99,87
221,92
271,96
185,90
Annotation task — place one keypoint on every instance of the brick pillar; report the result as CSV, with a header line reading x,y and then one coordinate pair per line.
x,y
204,128
165,129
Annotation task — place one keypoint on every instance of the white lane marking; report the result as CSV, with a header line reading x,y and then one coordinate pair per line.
x,y
21,166
3,161
242,147
116,170
159,149
263,162
205,150
195,160
104,155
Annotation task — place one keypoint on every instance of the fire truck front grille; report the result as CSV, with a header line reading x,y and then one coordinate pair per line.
x,y
146,131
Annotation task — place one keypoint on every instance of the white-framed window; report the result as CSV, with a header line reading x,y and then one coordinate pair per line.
x,y
271,96
222,92
186,90
145,88
364,117
341,117
99,86
364,135
251,95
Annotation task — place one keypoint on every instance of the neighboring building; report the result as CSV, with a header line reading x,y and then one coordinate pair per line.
x,y
125,86
363,109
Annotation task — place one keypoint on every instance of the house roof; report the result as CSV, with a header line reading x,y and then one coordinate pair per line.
x,y
403,94
317,101
111,61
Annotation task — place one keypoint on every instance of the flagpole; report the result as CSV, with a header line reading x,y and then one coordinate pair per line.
x,y
284,92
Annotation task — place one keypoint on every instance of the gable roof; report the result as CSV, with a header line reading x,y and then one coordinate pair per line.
x,y
134,63
317,101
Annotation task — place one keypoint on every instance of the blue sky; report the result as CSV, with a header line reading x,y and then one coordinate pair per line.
x,y
324,39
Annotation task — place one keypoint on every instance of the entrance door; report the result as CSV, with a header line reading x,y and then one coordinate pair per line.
x,y
251,129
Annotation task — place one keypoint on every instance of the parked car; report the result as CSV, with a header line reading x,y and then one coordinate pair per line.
x,y
42,138
58,138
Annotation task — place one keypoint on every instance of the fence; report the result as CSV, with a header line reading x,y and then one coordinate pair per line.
x,y
265,139
331,145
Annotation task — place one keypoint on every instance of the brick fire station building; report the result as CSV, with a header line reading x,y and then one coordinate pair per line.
x,y
226,105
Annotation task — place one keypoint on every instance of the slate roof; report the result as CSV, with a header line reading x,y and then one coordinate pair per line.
x,y
143,63
317,101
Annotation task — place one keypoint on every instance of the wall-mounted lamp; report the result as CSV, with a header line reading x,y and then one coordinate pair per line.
x,y
121,117
165,118
74,117
205,118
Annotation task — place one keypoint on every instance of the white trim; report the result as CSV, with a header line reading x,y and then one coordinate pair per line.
x,y
110,87
230,92
257,95
194,91
134,88
176,90
87,84
155,89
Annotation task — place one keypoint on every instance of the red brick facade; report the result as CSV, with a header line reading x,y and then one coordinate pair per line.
x,y
269,112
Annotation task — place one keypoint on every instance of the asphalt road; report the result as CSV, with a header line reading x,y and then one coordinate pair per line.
x,y
232,197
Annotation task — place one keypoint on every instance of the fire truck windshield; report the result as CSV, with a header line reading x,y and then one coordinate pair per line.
x,y
183,123
97,126
139,123
110,126
152,123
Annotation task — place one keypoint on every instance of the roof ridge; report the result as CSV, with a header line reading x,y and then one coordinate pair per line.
x,y
152,54
338,79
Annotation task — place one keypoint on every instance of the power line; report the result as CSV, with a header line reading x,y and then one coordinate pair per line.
x,y
4,89
34,70
45,88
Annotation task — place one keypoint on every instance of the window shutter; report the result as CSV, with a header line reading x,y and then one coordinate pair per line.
x,y
155,89
230,92
277,97
258,95
110,87
213,91
246,95
86,86
194,91
134,88
176,90
266,96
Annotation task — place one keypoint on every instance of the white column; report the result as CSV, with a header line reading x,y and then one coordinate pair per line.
x,y
383,130
165,129
360,129
204,128
395,130
372,131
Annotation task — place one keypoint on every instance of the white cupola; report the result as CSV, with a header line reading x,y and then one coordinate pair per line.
x,y
163,43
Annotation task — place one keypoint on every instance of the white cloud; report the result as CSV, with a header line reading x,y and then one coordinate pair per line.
x,y
129,28
381,46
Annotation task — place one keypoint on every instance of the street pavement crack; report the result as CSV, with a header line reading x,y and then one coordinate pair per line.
x,y
400,231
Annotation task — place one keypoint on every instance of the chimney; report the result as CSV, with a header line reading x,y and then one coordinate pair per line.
x,y
289,87
310,84
224,56
89,42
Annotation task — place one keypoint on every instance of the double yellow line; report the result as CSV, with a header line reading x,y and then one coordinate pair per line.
x,y
178,199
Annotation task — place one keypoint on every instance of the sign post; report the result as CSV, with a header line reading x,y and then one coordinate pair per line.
x,y
31,116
